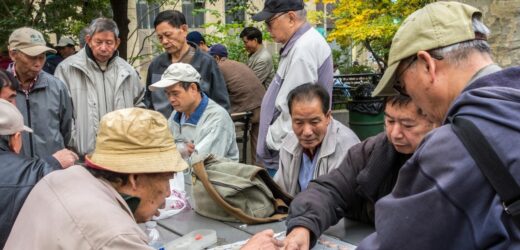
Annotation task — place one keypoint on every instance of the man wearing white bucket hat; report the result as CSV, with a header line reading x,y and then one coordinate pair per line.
x,y
197,117
126,180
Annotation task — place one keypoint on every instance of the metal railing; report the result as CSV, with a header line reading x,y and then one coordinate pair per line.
x,y
345,86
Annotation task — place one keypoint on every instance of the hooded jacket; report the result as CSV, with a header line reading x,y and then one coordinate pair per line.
x,y
81,73
18,175
441,199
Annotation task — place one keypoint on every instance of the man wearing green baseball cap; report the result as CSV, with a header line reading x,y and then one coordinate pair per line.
x,y
440,57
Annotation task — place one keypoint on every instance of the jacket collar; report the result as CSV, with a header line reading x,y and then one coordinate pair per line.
x,y
195,116
165,59
288,46
4,146
90,55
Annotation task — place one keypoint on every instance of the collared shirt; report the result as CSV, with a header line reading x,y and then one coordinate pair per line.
x,y
31,83
307,169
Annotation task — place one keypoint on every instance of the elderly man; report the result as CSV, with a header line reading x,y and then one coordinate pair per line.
x,y
442,200
171,30
197,118
305,57
43,99
260,60
245,89
125,181
318,143
99,82
368,172
18,174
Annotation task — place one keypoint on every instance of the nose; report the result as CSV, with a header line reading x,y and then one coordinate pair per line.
x,y
397,131
307,130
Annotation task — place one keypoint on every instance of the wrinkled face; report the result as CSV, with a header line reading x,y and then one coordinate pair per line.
x,y
172,39
182,100
309,123
27,67
152,189
103,45
428,94
8,94
250,45
279,26
405,127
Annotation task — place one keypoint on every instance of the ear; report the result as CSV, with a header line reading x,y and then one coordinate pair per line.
x,y
12,54
132,181
118,41
328,115
15,142
429,66
184,28
88,38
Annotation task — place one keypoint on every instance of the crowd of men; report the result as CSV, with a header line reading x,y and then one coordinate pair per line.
x,y
416,181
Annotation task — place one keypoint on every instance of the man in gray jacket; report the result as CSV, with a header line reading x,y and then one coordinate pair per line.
x,y
318,143
171,29
99,82
260,60
43,99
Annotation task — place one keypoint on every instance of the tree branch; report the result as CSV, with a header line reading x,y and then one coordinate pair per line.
x,y
380,62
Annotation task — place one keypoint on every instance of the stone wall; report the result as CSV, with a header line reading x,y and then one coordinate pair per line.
x,y
503,18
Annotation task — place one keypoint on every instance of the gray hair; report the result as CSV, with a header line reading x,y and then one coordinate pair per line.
x,y
301,14
103,24
457,53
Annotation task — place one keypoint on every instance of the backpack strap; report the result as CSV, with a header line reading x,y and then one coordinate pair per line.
x,y
490,165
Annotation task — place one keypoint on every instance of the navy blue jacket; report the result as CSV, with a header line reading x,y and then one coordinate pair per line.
x,y
441,199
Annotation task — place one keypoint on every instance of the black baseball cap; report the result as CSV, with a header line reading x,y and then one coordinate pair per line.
x,y
271,7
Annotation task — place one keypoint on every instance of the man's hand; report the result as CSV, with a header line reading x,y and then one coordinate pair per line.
x,y
298,239
65,157
263,240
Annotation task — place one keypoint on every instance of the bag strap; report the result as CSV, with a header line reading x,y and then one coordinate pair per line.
x,y
490,165
200,171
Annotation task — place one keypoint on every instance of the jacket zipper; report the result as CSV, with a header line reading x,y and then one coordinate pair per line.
x,y
27,103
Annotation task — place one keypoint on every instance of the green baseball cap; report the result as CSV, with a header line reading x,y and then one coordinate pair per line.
x,y
436,25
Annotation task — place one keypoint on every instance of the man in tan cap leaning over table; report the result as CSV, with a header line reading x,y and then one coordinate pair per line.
x,y
97,206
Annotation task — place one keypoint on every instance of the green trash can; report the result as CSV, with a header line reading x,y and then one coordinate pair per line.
x,y
366,117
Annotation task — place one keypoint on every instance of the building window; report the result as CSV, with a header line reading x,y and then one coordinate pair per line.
x,y
146,13
235,11
330,8
194,18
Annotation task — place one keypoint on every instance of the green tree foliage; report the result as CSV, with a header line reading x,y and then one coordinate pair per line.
x,y
371,23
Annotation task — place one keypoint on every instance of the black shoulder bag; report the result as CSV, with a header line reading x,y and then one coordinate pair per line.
x,y
490,165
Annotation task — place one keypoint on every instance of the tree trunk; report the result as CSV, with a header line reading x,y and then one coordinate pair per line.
x,y
120,10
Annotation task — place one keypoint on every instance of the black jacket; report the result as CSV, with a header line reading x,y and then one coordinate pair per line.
x,y
212,81
18,175
368,173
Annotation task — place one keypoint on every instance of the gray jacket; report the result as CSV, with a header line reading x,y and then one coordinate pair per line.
x,y
261,62
212,81
47,109
81,74
333,152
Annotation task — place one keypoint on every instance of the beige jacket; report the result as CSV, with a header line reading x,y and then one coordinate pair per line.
x,y
261,62
71,209
334,148
81,75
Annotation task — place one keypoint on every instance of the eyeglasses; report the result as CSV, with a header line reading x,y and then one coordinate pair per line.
x,y
270,21
398,86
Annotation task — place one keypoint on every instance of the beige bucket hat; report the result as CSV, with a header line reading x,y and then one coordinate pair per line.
x,y
135,140
29,41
